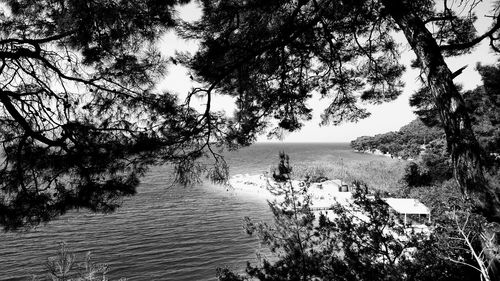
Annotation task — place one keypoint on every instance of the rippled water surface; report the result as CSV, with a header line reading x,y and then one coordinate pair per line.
x,y
165,232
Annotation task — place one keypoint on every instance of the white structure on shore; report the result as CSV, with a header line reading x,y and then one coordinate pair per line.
x,y
414,213
326,194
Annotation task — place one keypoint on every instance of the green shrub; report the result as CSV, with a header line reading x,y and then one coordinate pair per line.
x,y
383,175
66,266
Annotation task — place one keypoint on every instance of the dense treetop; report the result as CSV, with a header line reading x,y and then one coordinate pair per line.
x,y
81,121
482,103
279,53
408,142
273,55
79,117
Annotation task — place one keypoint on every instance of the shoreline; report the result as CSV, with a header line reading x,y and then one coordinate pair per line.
x,y
322,194
377,152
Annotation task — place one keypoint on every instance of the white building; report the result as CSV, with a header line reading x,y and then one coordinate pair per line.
x,y
412,211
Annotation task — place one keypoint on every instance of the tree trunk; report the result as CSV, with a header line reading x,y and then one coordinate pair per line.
x,y
465,151
462,144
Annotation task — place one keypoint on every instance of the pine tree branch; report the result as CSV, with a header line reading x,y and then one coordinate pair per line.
x,y
472,43
5,100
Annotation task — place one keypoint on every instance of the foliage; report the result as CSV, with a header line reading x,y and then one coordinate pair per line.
x,y
272,56
282,173
414,177
316,172
66,267
482,104
430,169
434,165
290,237
408,142
364,241
80,120
383,175
458,229
224,274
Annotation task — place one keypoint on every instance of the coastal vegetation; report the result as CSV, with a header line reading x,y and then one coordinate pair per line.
x,y
364,240
383,175
81,119
424,139
277,54
408,142
66,266
425,135
273,56
454,250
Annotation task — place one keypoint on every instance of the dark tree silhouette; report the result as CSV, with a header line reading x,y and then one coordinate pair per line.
x,y
273,55
79,118
483,107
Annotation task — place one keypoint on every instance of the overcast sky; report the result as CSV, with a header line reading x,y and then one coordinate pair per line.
x,y
386,117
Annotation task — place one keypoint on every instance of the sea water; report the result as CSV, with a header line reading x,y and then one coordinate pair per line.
x,y
166,232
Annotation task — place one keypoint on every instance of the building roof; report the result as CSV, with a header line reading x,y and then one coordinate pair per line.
x,y
407,206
